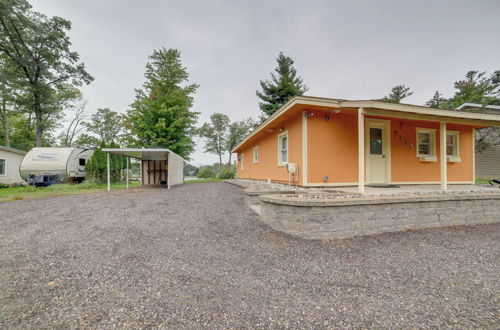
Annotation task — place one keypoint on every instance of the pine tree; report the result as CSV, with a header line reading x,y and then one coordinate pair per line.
x,y
397,94
436,101
284,85
160,115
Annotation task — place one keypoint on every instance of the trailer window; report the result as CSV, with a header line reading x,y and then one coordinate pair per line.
x,y
82,161
2,166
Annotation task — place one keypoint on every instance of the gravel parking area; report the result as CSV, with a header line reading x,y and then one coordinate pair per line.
x,y
196,257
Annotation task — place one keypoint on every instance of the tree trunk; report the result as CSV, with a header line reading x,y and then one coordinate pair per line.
x,y
220,161
230,154
38,121
5,124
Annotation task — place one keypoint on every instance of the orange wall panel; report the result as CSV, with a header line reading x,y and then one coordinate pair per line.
x,y
267,166
332,147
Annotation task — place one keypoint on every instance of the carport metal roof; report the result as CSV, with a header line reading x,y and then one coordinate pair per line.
x,y
142,153
137,153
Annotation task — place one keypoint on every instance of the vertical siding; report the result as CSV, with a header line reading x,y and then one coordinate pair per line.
x,y
488,163
407,167
267,167
462,171
333,147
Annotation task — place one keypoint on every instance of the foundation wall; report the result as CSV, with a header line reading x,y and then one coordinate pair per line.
x,y
325,220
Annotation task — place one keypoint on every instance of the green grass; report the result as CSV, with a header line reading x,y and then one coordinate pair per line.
x,y
203,180
482,181
17,193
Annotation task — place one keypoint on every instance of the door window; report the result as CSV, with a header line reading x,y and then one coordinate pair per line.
x,y
375,141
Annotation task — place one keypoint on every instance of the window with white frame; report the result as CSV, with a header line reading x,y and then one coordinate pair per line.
x,y
452,143
2,166
283,148
256,154
426,142
242,161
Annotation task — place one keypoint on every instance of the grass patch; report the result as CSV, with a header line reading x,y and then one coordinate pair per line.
x,y
203,180
482,181
17,193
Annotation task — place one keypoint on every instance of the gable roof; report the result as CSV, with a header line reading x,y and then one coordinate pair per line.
x,y
402,110
8,149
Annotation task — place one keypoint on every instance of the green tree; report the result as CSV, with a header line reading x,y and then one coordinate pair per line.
x,y
161,115
284,84
237,132
477,88
397,94
206,172
96,167
106,124
40,48
437,101
215,134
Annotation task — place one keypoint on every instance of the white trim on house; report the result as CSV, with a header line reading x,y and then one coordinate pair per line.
x,y
361,151
474,155
455,158
4,167
369,123
255,154
431,157
280,161
304,148
442,155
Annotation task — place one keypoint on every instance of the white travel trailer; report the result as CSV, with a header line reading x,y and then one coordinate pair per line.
x,y
45,166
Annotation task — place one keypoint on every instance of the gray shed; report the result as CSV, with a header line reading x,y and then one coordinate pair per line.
x,y
158,166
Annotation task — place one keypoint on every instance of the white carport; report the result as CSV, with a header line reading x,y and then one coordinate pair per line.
x,y
158,166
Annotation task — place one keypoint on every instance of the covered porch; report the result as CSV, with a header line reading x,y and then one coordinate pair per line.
x,y
436,143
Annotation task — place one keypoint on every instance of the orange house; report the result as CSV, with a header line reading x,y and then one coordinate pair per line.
x,y
321,142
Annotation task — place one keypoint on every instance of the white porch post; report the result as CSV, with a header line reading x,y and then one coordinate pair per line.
x,y
442,154
128,159
361,151
107,173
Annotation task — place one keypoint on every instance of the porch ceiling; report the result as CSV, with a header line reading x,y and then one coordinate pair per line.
x,y
141,153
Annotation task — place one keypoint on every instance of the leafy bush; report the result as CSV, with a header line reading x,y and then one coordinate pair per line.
x,y
4,185
206,172
96,166
226,173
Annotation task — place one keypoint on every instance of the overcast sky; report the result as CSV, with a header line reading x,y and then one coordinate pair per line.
x,y
342,49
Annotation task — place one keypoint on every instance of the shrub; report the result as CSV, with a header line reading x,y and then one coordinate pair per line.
x,y
96,166
206,172
4,185
226,173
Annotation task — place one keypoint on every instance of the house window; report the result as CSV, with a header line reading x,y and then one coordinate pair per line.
x,y
452,143
256,154
242,161
426,142
283,148
2,166
82,161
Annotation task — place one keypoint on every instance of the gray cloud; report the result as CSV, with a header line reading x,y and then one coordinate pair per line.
x,y
342,49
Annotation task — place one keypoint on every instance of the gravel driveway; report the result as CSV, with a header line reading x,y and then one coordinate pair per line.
x,y
196,257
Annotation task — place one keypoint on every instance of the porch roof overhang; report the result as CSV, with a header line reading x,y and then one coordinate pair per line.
x,y
373,108
142,153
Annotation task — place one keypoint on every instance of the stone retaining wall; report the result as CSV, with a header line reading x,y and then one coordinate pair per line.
x,y
323,219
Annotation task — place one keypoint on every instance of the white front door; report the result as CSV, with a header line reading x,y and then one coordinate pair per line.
x,y
378,151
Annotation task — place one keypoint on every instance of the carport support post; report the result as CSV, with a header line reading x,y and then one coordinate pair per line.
x,y
107,172
442,154
361,151
128,159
